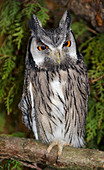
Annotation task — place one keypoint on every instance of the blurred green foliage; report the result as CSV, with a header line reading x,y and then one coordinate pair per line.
x,y
2,122
14,29
11,165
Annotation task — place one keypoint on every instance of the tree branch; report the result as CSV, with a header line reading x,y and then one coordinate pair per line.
x,y
32,152
97,78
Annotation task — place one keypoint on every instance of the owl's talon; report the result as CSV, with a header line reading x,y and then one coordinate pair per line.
x,y
51,146
57,159
60,147
46,155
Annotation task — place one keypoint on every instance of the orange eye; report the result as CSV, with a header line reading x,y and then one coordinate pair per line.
x,y
41,48
67,44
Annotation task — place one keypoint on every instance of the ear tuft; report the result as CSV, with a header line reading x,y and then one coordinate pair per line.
x,y
65,20
34,23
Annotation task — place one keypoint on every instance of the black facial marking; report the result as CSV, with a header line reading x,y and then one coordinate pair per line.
x,y
31,61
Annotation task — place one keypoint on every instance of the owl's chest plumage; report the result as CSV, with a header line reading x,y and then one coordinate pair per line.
x,y
50,103
49,90
59,108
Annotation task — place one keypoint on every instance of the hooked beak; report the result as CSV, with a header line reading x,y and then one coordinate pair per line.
x,y
56,55
58,58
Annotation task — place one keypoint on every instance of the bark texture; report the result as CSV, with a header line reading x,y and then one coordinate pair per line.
x,y
32,153
90,10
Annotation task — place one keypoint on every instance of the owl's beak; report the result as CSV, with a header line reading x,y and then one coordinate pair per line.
x,y
58,58
56,55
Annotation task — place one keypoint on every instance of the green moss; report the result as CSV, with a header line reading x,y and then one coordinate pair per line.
x,y
2,121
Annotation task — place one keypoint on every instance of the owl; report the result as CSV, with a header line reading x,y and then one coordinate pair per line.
x,y
56,89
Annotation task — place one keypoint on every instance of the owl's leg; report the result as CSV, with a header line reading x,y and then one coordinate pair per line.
x,y
60,147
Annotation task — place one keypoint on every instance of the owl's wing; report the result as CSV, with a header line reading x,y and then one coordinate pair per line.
x,y
78,100
25,105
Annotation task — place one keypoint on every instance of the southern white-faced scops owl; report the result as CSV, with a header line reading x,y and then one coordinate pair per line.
x,y
55,92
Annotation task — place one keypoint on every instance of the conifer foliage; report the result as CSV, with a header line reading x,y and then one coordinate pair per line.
x,y
14,18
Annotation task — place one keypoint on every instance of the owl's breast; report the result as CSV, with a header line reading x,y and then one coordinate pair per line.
x,y
50,102
51,90
59,105
58,98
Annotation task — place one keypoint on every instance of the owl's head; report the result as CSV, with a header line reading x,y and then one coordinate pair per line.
x,y
52,45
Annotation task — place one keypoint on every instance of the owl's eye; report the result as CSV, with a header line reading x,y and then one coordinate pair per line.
x,y
67,44
41,48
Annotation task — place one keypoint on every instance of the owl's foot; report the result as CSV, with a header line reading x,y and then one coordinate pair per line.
x,y
60,147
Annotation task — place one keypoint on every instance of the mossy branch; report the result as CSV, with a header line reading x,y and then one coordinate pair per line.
x,y
32,153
